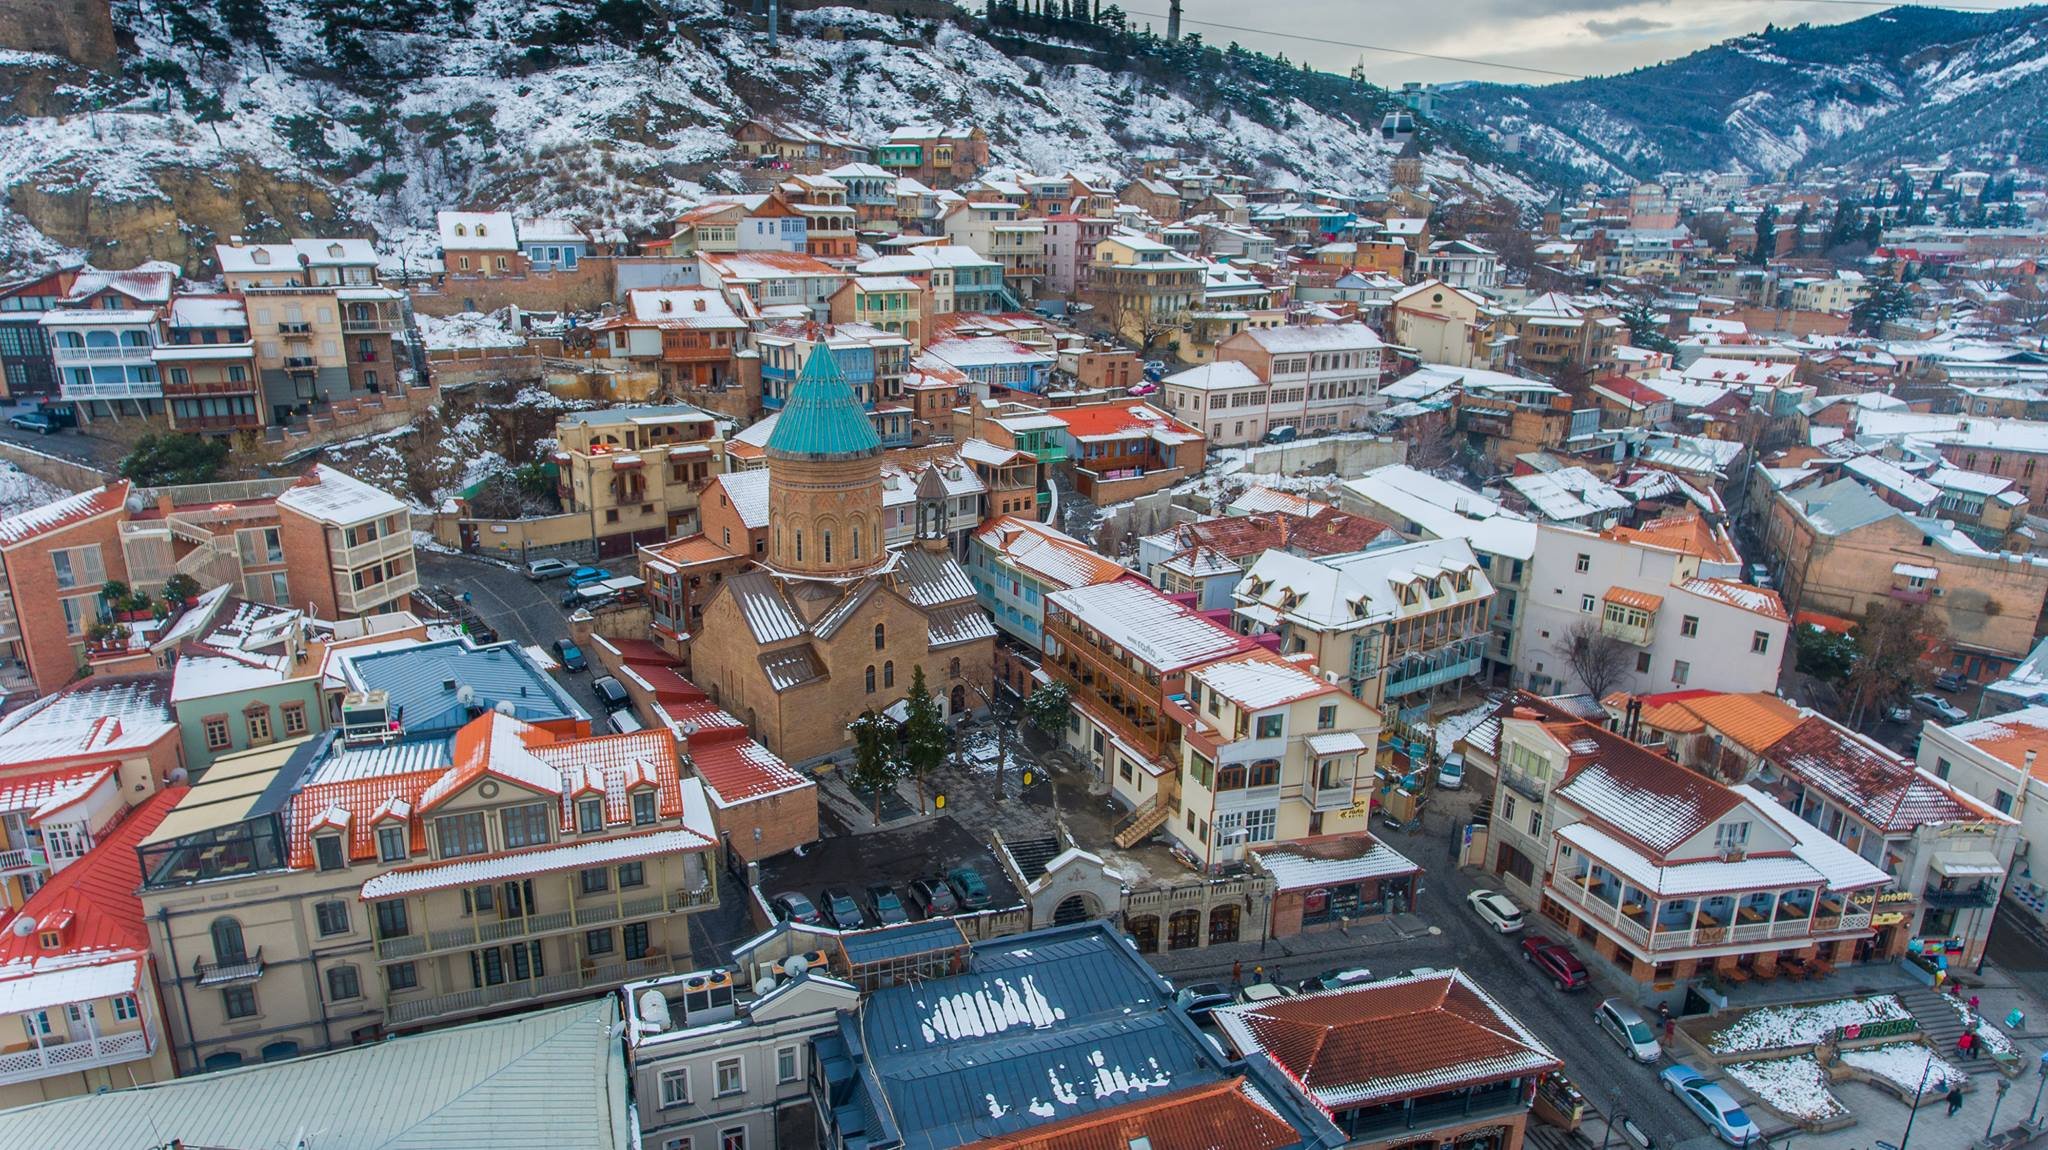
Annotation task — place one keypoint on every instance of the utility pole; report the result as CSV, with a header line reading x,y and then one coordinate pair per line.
x,y
774,27
1173,21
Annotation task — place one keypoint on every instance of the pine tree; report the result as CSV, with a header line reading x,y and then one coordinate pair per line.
x,y
1766,235
924,733
875,765
248,22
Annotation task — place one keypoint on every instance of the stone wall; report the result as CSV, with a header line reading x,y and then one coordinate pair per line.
x,y
592,284
1345,455
65,473
81,31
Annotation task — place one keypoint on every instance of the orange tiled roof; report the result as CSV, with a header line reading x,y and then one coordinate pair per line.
x,y
1215,1114
691,549
1687,532
1755,720
63,513
1627,597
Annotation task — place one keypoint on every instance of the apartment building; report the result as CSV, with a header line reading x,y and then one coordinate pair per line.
x,y
931,154
1461,264
895,304
105,360
1014,563
1145,288
26,371
56,558
1723,880
1556,335
361,542
871,360
777,284
1450,326
999,231
637,473
1323,377
691,336
398,873
1648,609
829,221
77,978
1207,557
957,277
1997,761
1123,650
206,361
1392,623
1070,242
323,329
1227,397
1271,751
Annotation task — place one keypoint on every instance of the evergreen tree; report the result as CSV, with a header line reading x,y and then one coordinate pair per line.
x,y
875,765
1766,235
190,27
1645,331
248,22
1886,300
924,733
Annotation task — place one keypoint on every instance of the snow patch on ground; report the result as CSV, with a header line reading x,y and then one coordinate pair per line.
x,y
1794,1087
1904,1064
20,491
1451,728
466,331
1778,1027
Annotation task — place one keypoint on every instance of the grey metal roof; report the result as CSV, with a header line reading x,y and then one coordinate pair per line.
x,y
933,934
417,678
544,1080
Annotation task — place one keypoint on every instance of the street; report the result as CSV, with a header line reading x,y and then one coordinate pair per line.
x,y
519,609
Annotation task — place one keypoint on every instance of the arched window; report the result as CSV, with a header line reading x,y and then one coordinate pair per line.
x,y
828,546
856,536
880,637
889,673
799,546
955,669
461,230
227,942
871,678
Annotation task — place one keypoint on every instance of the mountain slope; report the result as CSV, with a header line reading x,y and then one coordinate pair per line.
x,y
1907,84
614,111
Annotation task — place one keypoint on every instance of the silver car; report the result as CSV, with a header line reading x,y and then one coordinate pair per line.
x,y
1626,1025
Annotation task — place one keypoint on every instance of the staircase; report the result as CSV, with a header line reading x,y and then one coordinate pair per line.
x,y
1939,1021
1149,816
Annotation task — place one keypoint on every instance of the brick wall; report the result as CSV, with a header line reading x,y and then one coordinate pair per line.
x,y
306,563
593,283
784,821
32,580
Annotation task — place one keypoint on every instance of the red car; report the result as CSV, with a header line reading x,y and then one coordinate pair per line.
x,y
1556,962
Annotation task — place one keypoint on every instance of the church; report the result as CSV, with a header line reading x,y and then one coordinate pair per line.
x,y
828,621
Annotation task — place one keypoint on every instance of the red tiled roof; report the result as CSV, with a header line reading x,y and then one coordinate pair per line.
x,y
691,549
363,799
738,770
1327,532
97,894
1224,1113
1629,389
1391,1040
1874,784
66,512
1101,419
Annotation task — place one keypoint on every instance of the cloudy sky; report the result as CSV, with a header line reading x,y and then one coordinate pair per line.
x,y
1571,36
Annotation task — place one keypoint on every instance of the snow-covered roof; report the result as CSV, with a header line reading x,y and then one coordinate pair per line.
x,y
207,311
748,493
1446,510
477,231
1569,494
1314,337
67,512
1306,864
1260,679
1890,476
107,717
337,498
1046,553
1221,375
1158,631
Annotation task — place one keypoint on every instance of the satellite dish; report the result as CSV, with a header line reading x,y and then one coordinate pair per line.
x,y
654,1008
24,926
795,965
465,694
764,984
505,707
177,775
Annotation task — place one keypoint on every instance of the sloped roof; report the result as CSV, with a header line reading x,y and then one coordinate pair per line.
x,y
1046,552
1229,1112
2010,737
102,717
1877,786
823,418
19,528
1390,1039
1636,793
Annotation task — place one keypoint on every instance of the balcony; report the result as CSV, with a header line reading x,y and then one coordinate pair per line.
x,y
357,602
368,551
127,389
487,932
72,1057
301,363
1975,895
295,329
368,325
432,1007
18,861
125,353
1447,664
248,969
212,387
1523,785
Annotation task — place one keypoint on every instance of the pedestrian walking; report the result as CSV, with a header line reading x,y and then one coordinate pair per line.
x,y
1259,973
1964,1042
1973,1004
1955,1100
1670,1028
1237,972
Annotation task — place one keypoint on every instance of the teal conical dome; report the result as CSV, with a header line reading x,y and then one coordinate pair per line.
x,y
823,418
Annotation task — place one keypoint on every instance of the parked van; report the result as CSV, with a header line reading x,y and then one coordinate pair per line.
x,y
625,722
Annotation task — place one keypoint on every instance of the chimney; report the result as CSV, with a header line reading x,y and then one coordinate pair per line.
x,y
2029,767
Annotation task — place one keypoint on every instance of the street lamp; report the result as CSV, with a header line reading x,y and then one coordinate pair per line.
x,y
2004,1085
2035,1112
1918,1092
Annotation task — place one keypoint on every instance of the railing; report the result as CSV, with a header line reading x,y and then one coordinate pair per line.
x,y
1977,894
229,973
15,860
403,583
127,389
213,387
71,1057
125,353
368,324
301,363
1523,785
369,551
405,1013
1437,677
296,328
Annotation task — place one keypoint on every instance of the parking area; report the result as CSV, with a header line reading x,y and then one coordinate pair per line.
x,y
897,857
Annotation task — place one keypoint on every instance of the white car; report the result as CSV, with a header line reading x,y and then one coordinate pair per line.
x,y
1499,911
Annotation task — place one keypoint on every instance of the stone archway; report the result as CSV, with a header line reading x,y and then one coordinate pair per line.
x,y
1223,924
1076,908
1184,929
1144,932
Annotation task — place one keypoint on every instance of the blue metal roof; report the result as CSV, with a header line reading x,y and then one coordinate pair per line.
x,y
823,418
933,934
425,682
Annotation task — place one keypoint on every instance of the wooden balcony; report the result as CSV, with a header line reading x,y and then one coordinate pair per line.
x,y
488,932
52,1058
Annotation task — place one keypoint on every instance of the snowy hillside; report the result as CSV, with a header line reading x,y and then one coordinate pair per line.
x,y
1905,85
377,121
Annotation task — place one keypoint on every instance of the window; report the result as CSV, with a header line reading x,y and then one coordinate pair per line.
x,y
1585,563
869,679
590,815
596,942
596,880
294,719
125,1008
238,1002
2003,801
332,917
1941,769
632,874
391,844
643,807
327,853
637,940
525,825
1326,718
1586,604
77,610
216,728
675,1088
1642,662
343,983
461,834
880,637
78,567
402,976
1269,726
226,935
734,1138
1759,643
1727,835
1536,821
787,1067
889,673
1689,626
392,921
731,1079
1681,671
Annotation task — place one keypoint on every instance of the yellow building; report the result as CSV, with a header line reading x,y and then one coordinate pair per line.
x,y
637,472
1145,288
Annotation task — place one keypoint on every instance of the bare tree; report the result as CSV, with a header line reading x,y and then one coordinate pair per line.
x,y
1599,660
1897,648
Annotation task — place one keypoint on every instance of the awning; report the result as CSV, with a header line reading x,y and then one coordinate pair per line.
x,y
1967,864
1336,743
1915,571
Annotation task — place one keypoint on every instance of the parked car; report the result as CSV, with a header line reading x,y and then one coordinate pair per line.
x,y
1556,961
611,693
570,655
1202,998
840,909
968,889
1336,979
931,898
1496,909
1759,575
883,905
1625,1025
35,421
583,575
1899,713
1948,680
541,570
793,907
1450,774
1155,369
1938,708
1715,1106
1254,993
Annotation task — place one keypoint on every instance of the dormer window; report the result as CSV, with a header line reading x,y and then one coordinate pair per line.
x,y
460,230
590,815
391,843
51,939
328,853
259,256
481,231
643,807
334,251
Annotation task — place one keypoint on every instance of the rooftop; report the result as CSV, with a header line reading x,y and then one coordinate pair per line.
x,y
823,418
339,499
67,512
1871,782
102,717
437,687
1164,633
